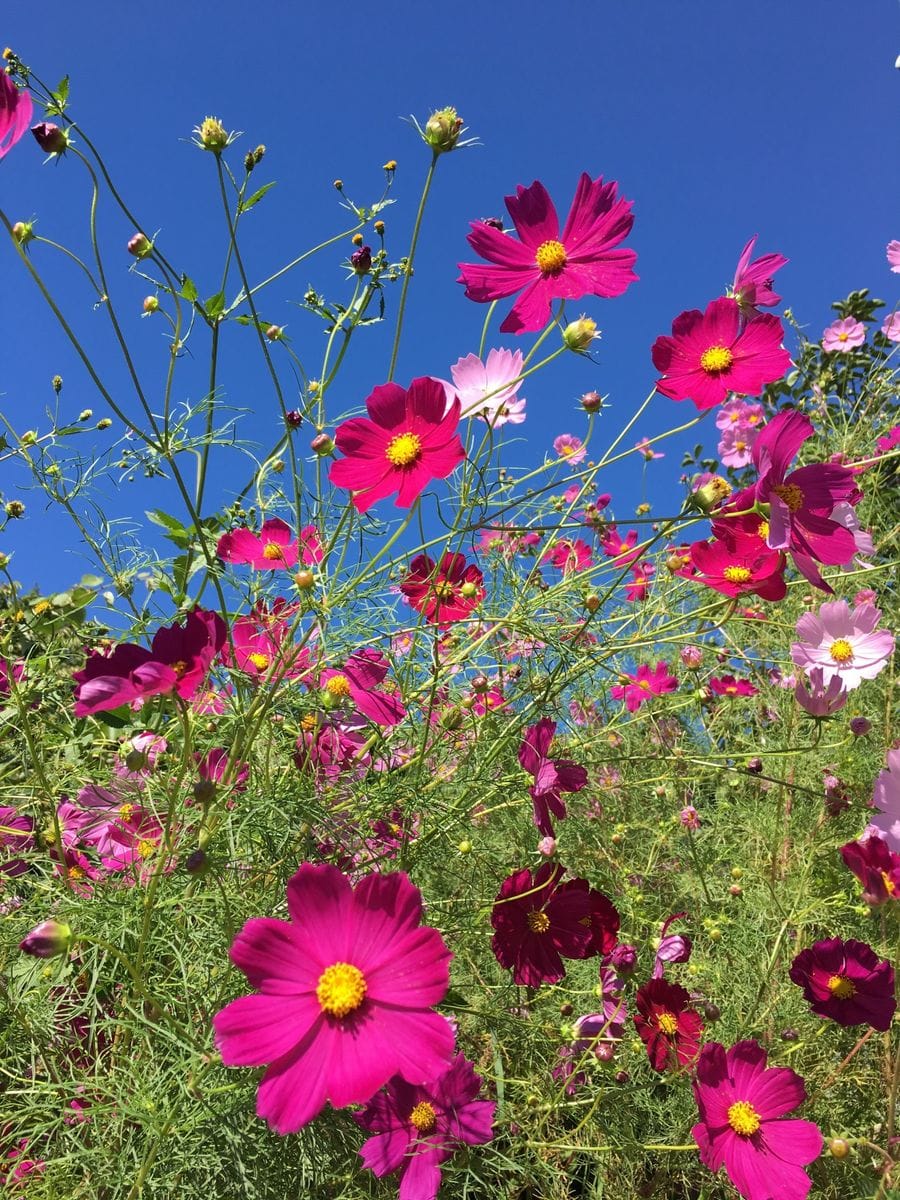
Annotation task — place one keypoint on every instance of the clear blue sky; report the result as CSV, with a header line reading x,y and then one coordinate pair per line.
x,y
719,121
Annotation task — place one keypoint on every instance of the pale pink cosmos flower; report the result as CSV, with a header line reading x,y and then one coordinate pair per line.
x,y
570,448
643,447
890,327
488,389
843,642
886,798
843,336
739,412
893,256
735,448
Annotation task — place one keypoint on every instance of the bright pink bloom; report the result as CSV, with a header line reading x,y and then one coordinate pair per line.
x,y
876,866
727,685
636,689
752,287
190,649
843,336
15,113
818,699
216,766
619,548
272,548
639,588
644,448
357,681
890,327
843,643
261,648
552,776
710,355
667,1024
418,1128
344,992
886,799
10,675
445,592
547,264
737,565
126,674
847,982
488,389
407,441
569,555
570,448
740,1101
333,748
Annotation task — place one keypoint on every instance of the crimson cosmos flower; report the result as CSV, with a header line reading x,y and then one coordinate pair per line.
x,y
446,592
752,287
552,776
666,1024
847,982
876,866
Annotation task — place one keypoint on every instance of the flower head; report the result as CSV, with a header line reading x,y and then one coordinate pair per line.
x,y
667,1024
488,389
817,698
571,449
886,799
893,256
728,685
552,776
443,592
16,838
844,336
358,681
636,689
847,982
843,643
15,113
752,287
736,565
273,548
876,866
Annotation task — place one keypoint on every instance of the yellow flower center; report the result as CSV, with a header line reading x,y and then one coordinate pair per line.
x,y
667,1022
260,661
550,257
146,849
644,685
125,811
716,359
737,574
76,873
273,551
730,689
734,417
338,686
842,337
740,446
889,886
743,1118
763,530
341,989
423,1117
309,722
790,494
538,922
179,667
403,450
841,987
841,651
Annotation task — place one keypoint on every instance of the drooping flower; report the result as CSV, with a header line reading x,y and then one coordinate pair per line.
x,y
343,999
876,866
273,548
674,947
358,682
585,259
638,688
740,1101
667,1024
728,685
607,1025
846,982
709,354
15,113
331,747
408,439
752,287
886,799
844,336
488,389
418,1127
818,699
552,776
737,565
445,592
843,643
571,449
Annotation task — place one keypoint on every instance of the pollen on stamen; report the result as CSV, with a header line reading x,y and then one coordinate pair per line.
x,y
791,495
841,987
341,989
841,651
338,686
273,551
550,257
260,661
667,1023
423,1117
736,574
716,359
538,922
743,1118
403,450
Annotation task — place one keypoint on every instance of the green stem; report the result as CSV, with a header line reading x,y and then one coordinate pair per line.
x,y
409,264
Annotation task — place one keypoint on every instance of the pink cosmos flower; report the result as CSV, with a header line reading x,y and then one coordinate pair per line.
x,y
358,682
667,1024
843,643
445,592
727,685
893,256
740,1101
843,336
738,414
15,113
735,446
890,327
261,648
16,838
817,698
330,748
886,799
639,588
418,1127
752,287
343,999
552,776
408,439
736,565
619,548
674,947
273,547
488,389
138,756
847,982
644,448
876,866
710,355
569,555
638,688
570,448
9,675
549,265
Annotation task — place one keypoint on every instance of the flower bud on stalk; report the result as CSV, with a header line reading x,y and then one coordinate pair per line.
x,y
23,232
322,445
47,940
442,130
579,334
139,245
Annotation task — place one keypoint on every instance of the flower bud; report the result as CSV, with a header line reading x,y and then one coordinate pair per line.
x,y
150,305
465,847
293,418
50,138
322,445
711,1011
204,791
547,846
452,718
481,683
304,580
390,165
29,438
579,334
47,940
56,383
211,135
361,260
469,589
838,1147
442,130
23,232
592,602
623,958
275,333
197,863
591,402
692,657
860,726
139,245
379,228
357,239
14,509
338,185
712,493
85,414
104,423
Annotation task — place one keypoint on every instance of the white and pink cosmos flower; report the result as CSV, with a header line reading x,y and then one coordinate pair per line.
x,y
843,642
488,390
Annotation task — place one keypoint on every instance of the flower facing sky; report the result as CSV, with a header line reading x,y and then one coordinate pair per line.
x,y
638,688
15,113
272,548
846,982
443,592
358,682
408,439
843,643
546,265
343,999
844,336
740,1101
734,565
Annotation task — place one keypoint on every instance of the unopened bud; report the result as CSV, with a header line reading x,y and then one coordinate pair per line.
x,y
197,863
293,418
212,135
23,232
579,334
85,414
442,130
104,423
204,791
56,383
275,333
322,445
150,305
14,509
692,657
547,846
592,602
47,940
50,138
338,185
357,239
390,165
591,402
838,1147
139,245
361,260
304,580
452,718
469,589
29,438
481,683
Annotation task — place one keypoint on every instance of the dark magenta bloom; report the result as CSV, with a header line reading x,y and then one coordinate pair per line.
x,y
847,982
752,287
552,776
125,675
728,685
876,866
15,113
358,681
667,1024
445,592
16,837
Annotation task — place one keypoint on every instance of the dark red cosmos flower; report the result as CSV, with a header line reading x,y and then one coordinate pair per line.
x,y
443,593
847,982
739,563
877,868
190,649
667,1025
552,776
539,920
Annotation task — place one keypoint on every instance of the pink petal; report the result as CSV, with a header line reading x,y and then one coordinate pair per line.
x,y
533,215
273,958
254,1030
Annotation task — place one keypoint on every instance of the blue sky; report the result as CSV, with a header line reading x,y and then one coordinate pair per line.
x,y
718,120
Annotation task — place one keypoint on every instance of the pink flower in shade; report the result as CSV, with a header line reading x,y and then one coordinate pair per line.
x,y
843,336
638,688
107,818
709,355
876,866
16,838
644,448
639,588
552,776
727,685
752,287
262,648
690,818
890,327
667,1024
569,555
333,748
357,682
81,873
740,1101
343,999
9,675
272,548
817,698
893,256
735,565
488,389
189,650
674,947
15,113
418,1127
585,259
570,448
846,982
445,592
538,920
843,643
138,756
886,799
216,766
13,1161
407,440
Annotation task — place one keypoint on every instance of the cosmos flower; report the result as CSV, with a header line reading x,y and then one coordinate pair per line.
x,y
272,548
843,643
890,327
544,264
846,982
736,565
886,799
667,1024
569,555
445,592
358,682
488,389
728,685
15,113
876,866
752,287
552,776
638,688
843,336
343,996
16,838
818,699
571,449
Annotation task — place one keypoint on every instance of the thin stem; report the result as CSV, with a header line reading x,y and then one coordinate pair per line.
x,y
407,275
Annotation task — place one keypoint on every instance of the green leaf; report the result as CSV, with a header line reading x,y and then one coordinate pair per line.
x,y
175,531
188,289
214,305
247,204
91,581
62,91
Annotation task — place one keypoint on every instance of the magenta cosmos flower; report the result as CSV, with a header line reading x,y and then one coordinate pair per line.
x,y
488,389
847,982
539,920
728,685
358,682
417,1128
710,354
843,336
740,1101
552,776
886,799
408,439
273,547
544,264
636,689
15,113
16,838
876,866
752,287
343,999
667,1024
735,565
445,592
843,643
